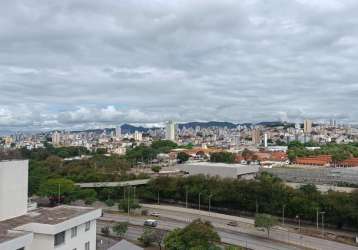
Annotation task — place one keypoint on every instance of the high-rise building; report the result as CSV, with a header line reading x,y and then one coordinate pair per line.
x,y
138,136
265,140
255,134
170,131
57,228
118,131
307,126
56,138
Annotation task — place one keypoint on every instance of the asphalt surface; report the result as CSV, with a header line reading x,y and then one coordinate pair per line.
x,y
247,232
227,236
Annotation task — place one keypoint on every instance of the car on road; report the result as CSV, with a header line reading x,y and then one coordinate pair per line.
x,y
155,214
151,223
232,223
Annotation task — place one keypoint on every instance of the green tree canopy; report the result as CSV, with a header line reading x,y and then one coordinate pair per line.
x,y
197,235
265,221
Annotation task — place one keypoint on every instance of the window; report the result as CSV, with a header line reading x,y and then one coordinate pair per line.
x,y
73,232
60,238
87,246
87,226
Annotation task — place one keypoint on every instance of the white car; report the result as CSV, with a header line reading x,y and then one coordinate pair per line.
x,y
155,214
151,223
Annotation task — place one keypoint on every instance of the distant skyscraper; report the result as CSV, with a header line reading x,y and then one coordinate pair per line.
x,y
138,136
265,140
255,134
118,130
170,131
307,126
56,138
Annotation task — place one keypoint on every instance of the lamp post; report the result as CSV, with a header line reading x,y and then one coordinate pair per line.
x,y
317,212
322,214
299,223
210,195
283,214
199,201
186,198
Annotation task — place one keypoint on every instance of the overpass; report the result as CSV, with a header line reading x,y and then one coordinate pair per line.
x,y
113,184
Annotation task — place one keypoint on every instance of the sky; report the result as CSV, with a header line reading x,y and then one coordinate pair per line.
x,y
89,63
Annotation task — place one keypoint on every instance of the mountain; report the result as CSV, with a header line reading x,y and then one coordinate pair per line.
x,y
127,128
207,124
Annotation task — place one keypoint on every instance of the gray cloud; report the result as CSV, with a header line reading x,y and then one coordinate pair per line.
x,y
96,63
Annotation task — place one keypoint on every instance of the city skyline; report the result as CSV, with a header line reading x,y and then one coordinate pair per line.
x,y
96,64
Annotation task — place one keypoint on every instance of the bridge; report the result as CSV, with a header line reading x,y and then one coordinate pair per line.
x,y
113,184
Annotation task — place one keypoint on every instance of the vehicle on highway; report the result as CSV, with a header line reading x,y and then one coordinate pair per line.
x,y
151,223
155,214
232,223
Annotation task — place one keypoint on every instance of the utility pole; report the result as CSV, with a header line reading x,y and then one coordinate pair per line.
x,y
322,213
186,197
299,223
59,194
283,214
128,202
199,201
210,195
317,218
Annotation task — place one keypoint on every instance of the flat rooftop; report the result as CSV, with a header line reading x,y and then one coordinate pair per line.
x,y
217,164
49,216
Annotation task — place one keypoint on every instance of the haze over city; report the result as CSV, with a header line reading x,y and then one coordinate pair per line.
x,y
84,64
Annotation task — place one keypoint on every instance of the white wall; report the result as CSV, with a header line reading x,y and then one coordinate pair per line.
x,y
46,242
13,188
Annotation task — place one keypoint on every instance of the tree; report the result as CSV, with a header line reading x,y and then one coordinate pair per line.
x,y
128,202
156,169
265,221
148,237
105,231
120,228
197,235
159,237
182,157
55,187
225,157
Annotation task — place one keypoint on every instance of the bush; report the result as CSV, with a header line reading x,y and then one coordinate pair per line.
x,y
120,228
156,169
109,202
105,231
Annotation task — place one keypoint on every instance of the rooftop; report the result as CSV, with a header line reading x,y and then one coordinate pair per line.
x,y
49,216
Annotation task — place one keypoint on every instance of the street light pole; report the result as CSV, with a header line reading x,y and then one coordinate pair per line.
x,y
199,201
322,213
210,203
317,212
299,223
283,214
186,198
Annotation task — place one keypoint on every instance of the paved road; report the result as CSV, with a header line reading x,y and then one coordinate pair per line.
x,y
227,236
246,227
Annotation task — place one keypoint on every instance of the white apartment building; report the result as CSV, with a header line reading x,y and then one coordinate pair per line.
x,y
57,228
170,131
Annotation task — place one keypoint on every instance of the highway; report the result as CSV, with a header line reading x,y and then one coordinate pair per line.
x,y
246,230
227,236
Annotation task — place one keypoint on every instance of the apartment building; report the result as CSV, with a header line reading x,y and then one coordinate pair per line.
x,y
61,228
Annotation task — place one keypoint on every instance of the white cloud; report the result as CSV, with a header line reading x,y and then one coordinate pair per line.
x,y
90,63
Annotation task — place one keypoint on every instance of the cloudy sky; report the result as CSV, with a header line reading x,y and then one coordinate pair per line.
x,y
90,63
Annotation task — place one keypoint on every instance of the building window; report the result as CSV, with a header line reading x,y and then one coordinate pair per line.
x,y
60,238
73,232
87,246
87,226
